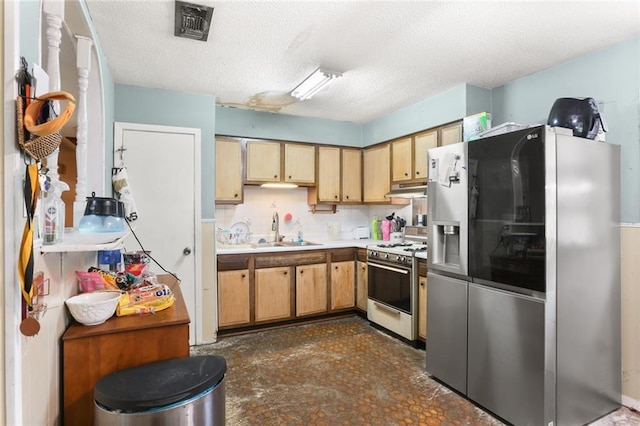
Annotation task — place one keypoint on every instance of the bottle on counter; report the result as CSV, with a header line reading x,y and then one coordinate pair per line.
x,y
375,229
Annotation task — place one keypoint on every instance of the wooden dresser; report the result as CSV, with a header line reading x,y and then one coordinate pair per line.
x,y
90,352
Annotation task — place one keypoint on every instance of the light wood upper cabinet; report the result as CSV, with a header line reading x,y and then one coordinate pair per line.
x,y
273,294
422,307
311,289
339,176
351,175
451,133
362,292
269,161
228,171
263,161
328,174
377,173
422,143
402,159
300,163
342,285
234,307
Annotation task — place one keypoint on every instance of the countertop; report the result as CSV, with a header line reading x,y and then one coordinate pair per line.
x,y
321,245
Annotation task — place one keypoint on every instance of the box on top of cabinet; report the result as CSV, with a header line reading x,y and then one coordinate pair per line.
x,y
475,124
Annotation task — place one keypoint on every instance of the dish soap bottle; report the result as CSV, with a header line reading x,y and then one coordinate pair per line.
x,y
54,213
299,231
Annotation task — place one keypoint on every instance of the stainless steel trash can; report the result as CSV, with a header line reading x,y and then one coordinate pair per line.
x,y
182,391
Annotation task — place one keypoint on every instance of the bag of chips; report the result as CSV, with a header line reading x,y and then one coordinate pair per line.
x,y
145,299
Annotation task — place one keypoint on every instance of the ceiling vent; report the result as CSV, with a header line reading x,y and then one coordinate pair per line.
x,y
192,21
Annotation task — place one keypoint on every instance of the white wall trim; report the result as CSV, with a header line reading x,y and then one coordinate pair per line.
x,y
630,225
12,206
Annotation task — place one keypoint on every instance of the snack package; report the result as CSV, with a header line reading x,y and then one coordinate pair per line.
x,y
94,280
112,280
146,299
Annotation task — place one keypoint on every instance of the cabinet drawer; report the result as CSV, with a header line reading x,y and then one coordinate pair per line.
x,y
232,263
290,259
343,255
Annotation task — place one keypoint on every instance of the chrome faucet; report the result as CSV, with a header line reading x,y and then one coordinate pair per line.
x,y
275,226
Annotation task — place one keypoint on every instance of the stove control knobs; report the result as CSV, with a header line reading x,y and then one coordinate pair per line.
x,y
385,255
402,259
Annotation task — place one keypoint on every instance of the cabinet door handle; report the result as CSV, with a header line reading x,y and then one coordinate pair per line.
x,y
289,176
417,172
346,197
275,176
285,272
406,174
235,195
243,275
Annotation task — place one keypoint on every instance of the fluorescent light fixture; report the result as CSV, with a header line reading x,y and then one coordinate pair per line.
x,y
314,83
279,185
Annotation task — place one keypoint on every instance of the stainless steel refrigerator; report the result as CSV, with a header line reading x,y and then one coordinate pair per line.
x,y
523,312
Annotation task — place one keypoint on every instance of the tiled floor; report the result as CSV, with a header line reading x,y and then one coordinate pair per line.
x,y
341,372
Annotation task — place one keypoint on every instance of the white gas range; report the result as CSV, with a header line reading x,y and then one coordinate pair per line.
x,y
393,286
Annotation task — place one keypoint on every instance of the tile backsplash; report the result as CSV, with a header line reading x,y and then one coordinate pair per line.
x,y
260,203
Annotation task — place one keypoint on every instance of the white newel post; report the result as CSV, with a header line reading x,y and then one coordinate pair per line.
x,y
83,63
54,14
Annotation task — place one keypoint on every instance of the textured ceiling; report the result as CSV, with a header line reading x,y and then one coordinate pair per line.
x,y
392,53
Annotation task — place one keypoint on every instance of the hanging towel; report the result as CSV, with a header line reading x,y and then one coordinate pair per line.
x,y
25,261
122,188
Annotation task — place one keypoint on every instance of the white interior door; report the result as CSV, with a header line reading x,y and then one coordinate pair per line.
x,y
163,167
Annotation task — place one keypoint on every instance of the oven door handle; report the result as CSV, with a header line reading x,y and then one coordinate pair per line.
x,y
386,308
389,268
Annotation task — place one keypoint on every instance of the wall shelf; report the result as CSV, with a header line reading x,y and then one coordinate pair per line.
x,y
75,241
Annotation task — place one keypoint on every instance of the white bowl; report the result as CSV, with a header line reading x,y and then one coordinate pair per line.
x,y
93,308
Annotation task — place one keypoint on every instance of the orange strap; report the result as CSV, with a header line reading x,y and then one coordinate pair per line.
x,y
25,261
33,111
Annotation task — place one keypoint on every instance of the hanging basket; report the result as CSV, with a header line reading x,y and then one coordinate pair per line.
x,y
38,147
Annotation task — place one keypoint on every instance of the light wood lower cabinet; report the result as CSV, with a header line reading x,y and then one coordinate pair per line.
x,y
311,289
361,285
234,302
273,294
342,285
422,307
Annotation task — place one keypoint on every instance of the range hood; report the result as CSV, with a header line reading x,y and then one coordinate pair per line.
x,y
408,190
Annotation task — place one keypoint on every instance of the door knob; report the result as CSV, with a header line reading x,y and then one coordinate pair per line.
x,y
186,251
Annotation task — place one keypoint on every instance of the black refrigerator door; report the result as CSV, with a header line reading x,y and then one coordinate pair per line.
x,y
507,209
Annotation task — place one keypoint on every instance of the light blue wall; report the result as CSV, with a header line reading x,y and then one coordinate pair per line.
x,y
478,100
440,109
163,107
610,76
431,112
266,125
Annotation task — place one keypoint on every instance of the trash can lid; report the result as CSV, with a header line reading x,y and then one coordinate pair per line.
x,y
158,384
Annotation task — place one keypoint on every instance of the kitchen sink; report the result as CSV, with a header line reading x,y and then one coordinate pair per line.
x,y
286,244
298,243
